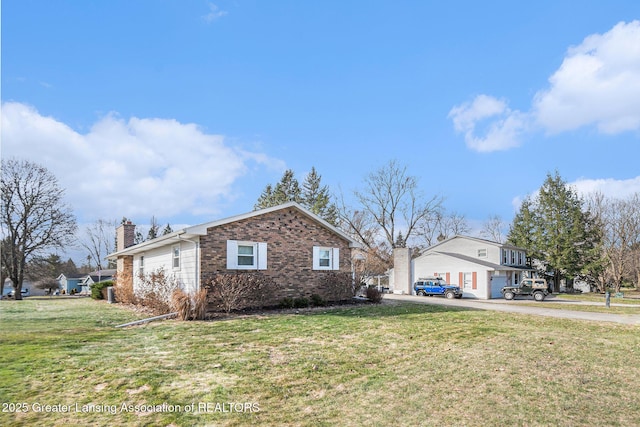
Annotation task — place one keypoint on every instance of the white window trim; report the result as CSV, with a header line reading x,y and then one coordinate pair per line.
x,y
259,255
141,265
482,253
334,258
173,257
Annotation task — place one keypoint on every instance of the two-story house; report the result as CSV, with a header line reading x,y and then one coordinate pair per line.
x,y
480,267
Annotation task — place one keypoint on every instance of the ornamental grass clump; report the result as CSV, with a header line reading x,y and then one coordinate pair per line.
x,y
189,307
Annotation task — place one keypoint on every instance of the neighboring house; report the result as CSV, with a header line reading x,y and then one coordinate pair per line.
x,y
288,243
95,277
82,284
480,267
68,284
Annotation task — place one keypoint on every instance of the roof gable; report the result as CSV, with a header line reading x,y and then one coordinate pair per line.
x,y
472,239
201,229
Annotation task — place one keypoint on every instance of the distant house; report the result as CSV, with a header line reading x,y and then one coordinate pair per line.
x,y
480,267
71,284
287,243
95,277
82,283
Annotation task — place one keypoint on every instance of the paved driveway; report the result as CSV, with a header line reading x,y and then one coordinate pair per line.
x,y
516,306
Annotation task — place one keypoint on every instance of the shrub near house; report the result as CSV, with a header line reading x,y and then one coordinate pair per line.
x,y
98,290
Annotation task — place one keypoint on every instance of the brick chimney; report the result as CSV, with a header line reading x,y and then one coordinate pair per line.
x,y
125,235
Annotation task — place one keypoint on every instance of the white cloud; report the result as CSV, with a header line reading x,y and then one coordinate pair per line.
x,y
136,167
613,188
503,127
584,187
214,13
598,84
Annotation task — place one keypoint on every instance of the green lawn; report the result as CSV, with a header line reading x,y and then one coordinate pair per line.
x,y
630,297
392,364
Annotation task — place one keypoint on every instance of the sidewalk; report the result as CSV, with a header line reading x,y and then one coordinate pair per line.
x,y
514,307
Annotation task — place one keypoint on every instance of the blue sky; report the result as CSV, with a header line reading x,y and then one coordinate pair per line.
x,y
186,109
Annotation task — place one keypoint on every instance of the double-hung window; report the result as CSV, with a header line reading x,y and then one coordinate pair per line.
x,y
243,255
175,252
326,258
246,255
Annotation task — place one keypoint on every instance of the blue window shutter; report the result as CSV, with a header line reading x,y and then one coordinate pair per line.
x,y
336,258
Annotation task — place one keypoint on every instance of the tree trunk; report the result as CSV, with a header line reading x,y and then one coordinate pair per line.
x,y
556,282
4,277
17,288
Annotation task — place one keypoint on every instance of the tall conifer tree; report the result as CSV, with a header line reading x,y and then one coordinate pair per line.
x,y
313,195
556,231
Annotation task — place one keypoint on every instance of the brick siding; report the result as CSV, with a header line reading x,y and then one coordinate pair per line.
x,y
124,270
290,236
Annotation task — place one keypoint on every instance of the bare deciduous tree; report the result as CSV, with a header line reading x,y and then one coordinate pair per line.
x,y
454,224
99,240
361,226
49,284
441,225
493,229
34,216
620,223
391,198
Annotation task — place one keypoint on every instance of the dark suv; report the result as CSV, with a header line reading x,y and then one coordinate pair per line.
x,y
536,287
436,286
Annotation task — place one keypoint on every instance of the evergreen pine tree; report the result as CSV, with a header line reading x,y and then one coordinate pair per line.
x,y
287,190
266,198
317,198
313,195
556,231
167,230
153,228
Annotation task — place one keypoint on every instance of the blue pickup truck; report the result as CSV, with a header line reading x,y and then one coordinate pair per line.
x,y
430,286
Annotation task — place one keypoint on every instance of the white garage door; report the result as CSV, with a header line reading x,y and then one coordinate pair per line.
x,y
497,283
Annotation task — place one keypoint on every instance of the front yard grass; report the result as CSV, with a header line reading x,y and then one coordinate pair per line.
x,y
577,306
391,364
630,297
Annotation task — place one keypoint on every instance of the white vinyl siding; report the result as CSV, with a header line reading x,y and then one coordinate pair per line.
x,y
162,258
325,258
246,255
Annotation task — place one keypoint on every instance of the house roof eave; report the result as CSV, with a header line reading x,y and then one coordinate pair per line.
x,y
201,230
